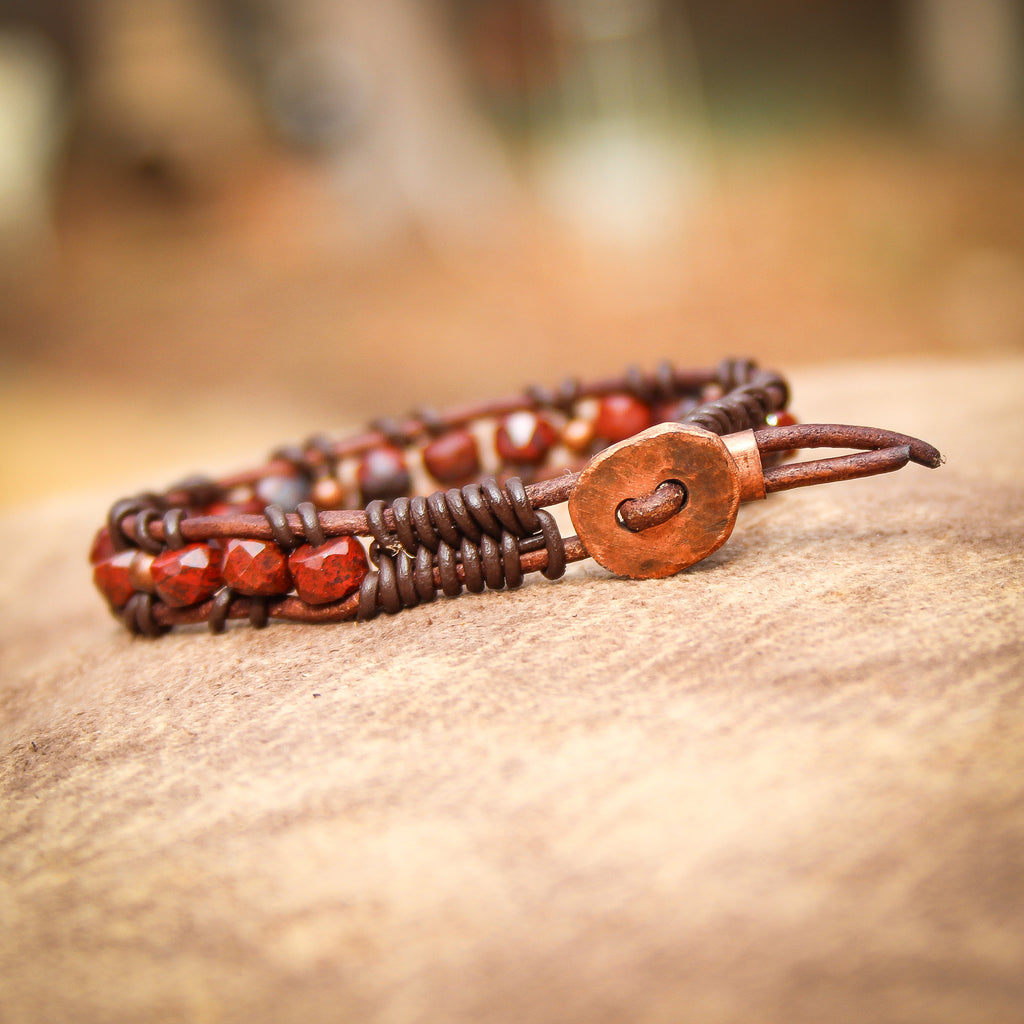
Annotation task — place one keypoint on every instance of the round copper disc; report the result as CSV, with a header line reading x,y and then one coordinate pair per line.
x,y
634,468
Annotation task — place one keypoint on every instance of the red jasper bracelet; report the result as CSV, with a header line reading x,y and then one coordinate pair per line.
x,y
653,468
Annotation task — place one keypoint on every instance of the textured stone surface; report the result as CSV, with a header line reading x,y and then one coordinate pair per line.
x,y
785,785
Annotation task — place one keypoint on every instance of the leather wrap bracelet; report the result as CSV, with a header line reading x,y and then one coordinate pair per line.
x,y
653,468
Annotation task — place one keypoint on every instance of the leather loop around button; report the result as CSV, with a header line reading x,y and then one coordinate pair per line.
x,y
634,468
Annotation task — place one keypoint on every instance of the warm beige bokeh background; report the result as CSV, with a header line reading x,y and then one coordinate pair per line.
x,y
784,785
215,293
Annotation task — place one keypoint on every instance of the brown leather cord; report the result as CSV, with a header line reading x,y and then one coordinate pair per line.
x,y
490,533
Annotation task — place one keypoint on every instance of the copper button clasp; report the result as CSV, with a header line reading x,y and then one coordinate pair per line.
x,y
701,479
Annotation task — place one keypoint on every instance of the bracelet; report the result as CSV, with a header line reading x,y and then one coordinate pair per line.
x,y
652,467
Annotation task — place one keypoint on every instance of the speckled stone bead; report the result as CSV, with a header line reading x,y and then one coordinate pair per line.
x,y
112,577
620,416
383,474
187,575
524,438
329,572
102,547
255,567
453,458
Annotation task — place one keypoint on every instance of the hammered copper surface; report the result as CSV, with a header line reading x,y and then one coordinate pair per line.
x,y
698,460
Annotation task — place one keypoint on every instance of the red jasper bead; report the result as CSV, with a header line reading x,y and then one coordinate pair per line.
x,y
382,474
781,419
255,567
187,575
224,508
453,458
329,572
102,547
524,438
620,416
112,577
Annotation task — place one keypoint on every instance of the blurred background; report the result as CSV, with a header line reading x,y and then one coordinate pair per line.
x,y
226,224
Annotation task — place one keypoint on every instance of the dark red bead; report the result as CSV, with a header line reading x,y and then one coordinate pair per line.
x,y
453,458
329,572
224,508
187,575
781,419
255,567
382,474
102,547
524,438
113,578
620,416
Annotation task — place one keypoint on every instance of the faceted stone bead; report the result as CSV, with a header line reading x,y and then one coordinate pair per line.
x,y
329,572
382,474
524,438
288,490
102,547
453,458
186,575
112,577
255,567
620,416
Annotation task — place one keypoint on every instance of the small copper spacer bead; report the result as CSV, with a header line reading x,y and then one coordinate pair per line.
x,y
328,493
578,435
140,572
